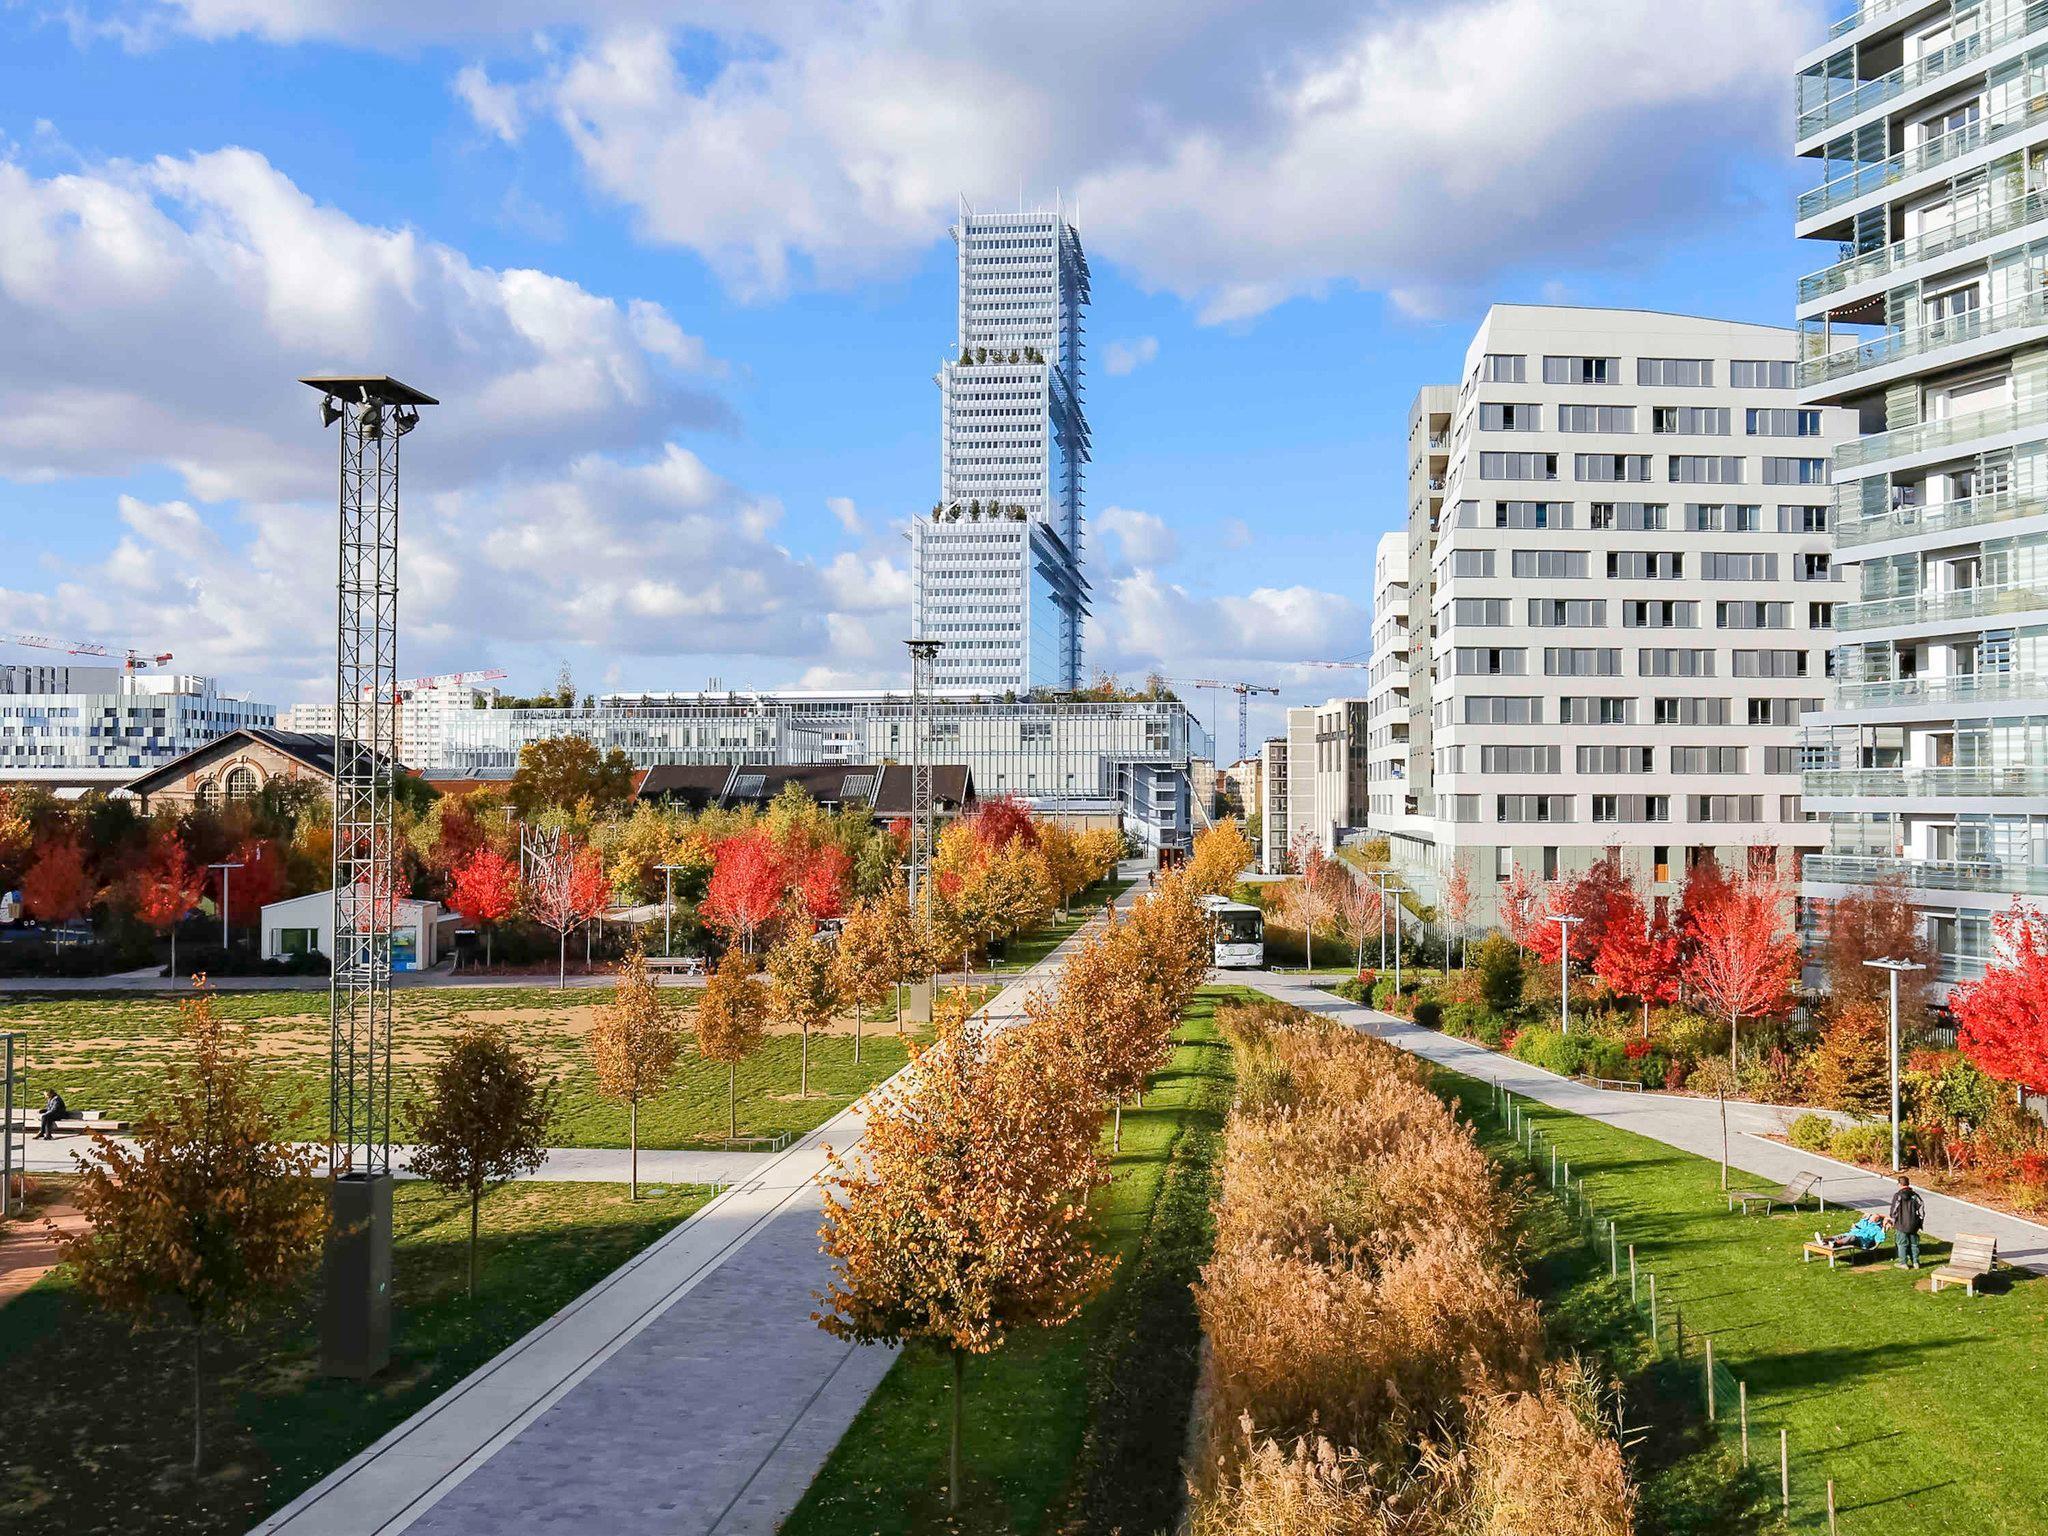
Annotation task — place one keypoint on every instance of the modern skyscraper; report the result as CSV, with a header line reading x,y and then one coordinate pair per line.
x,y
996,563
1627,599
1928,129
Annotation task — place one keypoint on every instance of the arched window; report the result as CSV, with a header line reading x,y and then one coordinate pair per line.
x,y
241,783
209,794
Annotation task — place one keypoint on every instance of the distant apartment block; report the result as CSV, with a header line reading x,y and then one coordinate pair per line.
x,y
426,717
1273,800
1630,590
84,726
1386,694
1926,131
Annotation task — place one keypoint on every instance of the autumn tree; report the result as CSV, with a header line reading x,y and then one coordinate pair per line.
x,y
1221,854
484,1119
1357,906
167,888
731,1016
1307,900
818,881
1877,923
58,887
1519,903
1851,1067
568,773
244,892
1744,960
633,1047
485,890
745,894
2002,1016
866,960
964,1218
1456,904
1637,955
800,977
565,888
209,1214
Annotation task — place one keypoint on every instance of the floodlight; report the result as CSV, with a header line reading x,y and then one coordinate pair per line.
x,y
330,413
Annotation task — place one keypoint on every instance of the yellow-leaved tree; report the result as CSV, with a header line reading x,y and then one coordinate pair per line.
x,y
1221,854
731,1017
800,989
633,1047
864,966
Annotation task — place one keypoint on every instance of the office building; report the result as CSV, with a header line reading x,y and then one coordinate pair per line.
x,y
1386,694
1630,592
1326,773
86,727
1273,796
423,718
996,564
1926,132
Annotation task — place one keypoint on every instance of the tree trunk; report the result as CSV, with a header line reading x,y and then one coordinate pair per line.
x,y
633,1141
857,1012
1308,943
959,1413
476,1197
487,946
899,1007
198,1385
1646,1018
803,1077
732,1101
1731,1041
562,962
174,951
1116,1133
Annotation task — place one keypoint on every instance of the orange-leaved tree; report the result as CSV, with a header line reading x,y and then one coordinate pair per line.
x,y
1221,854
1744,959
485,890
1456,902
800,987
209,1214
633,1047
2002,1016
58,887
731,1016
1358,908
748,876
864,966
964,1218
1520,904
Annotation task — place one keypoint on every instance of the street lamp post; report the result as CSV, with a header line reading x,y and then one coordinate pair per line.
x,y
224,869
1564,921
1397,892
668,907
1895,968
1380,878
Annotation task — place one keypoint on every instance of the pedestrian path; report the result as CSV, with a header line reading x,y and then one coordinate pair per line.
x,y
690,1393
1690,1124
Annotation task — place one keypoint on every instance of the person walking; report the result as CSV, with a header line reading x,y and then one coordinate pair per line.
x,y
1905,1217
54,1109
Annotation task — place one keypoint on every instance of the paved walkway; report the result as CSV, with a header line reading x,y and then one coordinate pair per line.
x,y
688,1392
1690,1124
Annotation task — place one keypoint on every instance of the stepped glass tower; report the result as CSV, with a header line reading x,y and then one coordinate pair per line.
x,y
996,561
1927,129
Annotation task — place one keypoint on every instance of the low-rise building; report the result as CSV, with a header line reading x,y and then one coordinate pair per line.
x,y
236,766
420,932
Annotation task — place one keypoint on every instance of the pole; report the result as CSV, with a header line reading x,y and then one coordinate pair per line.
x,y
1632,1274
1564,981
224,873
1397,946
1710,1378
1722,1098
668,913
1784,1474
1895,1071
1742,1403
7,1131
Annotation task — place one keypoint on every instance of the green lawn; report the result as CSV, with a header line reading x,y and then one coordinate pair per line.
x,y
1023,953
1925,1410
96,1420
1078,1429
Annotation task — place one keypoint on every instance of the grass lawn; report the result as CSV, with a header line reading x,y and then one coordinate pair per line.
x,y
1023,953
96,1420
109,1053
1925,1410
1079,1428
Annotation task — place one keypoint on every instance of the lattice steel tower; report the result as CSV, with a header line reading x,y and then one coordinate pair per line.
x,y
373,413
923,831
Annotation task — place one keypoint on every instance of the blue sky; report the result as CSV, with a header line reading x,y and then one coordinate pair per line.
x,y
680,274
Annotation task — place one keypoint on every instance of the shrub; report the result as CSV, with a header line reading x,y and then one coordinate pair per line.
x,y
1496,968
1554,1052
1861,1144
1811,1133
1851,1068
1352,990
1429,1013
1543,1464
1711,1075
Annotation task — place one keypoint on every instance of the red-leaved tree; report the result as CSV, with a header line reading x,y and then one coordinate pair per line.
x,y
1744,960
58,887
1520,904
1457,907
2002,1017
1000,821
1637,954
485,890
565,888
745,894
167,888
817,884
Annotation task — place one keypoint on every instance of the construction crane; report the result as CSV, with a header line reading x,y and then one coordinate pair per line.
x,y
1244,691
131,661
407,687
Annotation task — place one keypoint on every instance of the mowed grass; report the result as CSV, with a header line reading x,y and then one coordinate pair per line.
x,y
1026,951
1927,1411
110,1053
1077,1428
96,1419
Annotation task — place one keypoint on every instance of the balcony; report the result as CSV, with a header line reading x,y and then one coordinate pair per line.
x,y
1967,688
1934,66
1950,147
1926,874
1930,607
1869,11
1916,341
1918,783
1998,219
1930,436
1911,518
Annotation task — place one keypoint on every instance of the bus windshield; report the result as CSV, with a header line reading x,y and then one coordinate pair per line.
x,y
1238,927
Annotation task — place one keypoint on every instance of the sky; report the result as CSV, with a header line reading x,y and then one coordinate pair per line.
x,y
680,275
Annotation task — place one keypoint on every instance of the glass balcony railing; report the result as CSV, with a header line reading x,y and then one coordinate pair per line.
x,y
1984,224
1917,783
1939,65
1895,346
1970,688
1927,874
1949,147
1928,607
1911,518
1944,434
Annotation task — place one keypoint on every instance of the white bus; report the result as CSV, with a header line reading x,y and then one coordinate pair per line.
x,y
1238,932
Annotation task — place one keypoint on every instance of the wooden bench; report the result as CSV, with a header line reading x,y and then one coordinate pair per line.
x,y
680,965
1972,1258
1847,1253
1791,1195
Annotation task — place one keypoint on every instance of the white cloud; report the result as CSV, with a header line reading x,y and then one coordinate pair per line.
x,y
1121,357
847,514
1143,539
1150,622
496,108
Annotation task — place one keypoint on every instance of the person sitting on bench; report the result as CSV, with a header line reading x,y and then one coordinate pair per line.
x,y
54,1109
1864,1236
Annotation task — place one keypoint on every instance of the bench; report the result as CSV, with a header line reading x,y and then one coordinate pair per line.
x,y
76,1125
1791,1195
1613,1084
680,965
774,1143
1847,1253
1972,1258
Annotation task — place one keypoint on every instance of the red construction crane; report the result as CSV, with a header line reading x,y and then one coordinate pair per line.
x,y
131,661
407,687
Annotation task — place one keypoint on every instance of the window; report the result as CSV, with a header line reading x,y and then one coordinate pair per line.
x,y
1804,520
1706,759
1715,517
1631,808
1510,418
1795,471
1547,564
1518,466
1611,466
1774,711
1479,610
1507,368
1781,760
1532,514
1489,661
1645,565
1705,469
1518,759
294,941
1596,418
1628,516
1675,372
1582,370
1659,613
1462,807
1690,420
1770,663
1756,373
1778,422
1745,615
1820,615
1740,567
1724,808
1614,759
1536,808
1673,662
1689,711
1581,661
1586,710
1502,709
1812,566
1503,863
240,784
1567,613
1471,562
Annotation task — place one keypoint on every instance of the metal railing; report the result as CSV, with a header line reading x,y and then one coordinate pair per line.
x,y
1869,11
1916,341
1951,146
1996,219
1927,874
1933,66
1912,783
1911,518
1970,603
1965,689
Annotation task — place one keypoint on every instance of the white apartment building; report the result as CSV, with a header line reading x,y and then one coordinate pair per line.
x,y
996,564
1273,797
86,726
1386,693
1631,598
424,719
1927,129
1326,770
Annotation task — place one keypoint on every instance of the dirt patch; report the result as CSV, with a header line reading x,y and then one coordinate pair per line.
x,y
28,1247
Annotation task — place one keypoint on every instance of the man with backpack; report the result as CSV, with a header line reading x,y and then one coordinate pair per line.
x,y
1905,1218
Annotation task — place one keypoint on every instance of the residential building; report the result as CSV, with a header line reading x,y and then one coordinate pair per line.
x,y
1326,767
1927,129
1386,694
85,727
1631,589
996,565
1303,814
423,716
1273,795
1429,466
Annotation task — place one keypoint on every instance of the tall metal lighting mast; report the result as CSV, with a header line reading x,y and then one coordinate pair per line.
x,y
923,832
373,412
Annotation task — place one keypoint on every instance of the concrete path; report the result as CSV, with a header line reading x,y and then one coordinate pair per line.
x,y
689,1392
1690,1124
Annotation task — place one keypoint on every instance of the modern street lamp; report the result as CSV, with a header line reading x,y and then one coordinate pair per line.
x,y
1895,967
668,910
1397,892
224,869
1380,878
1564,921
